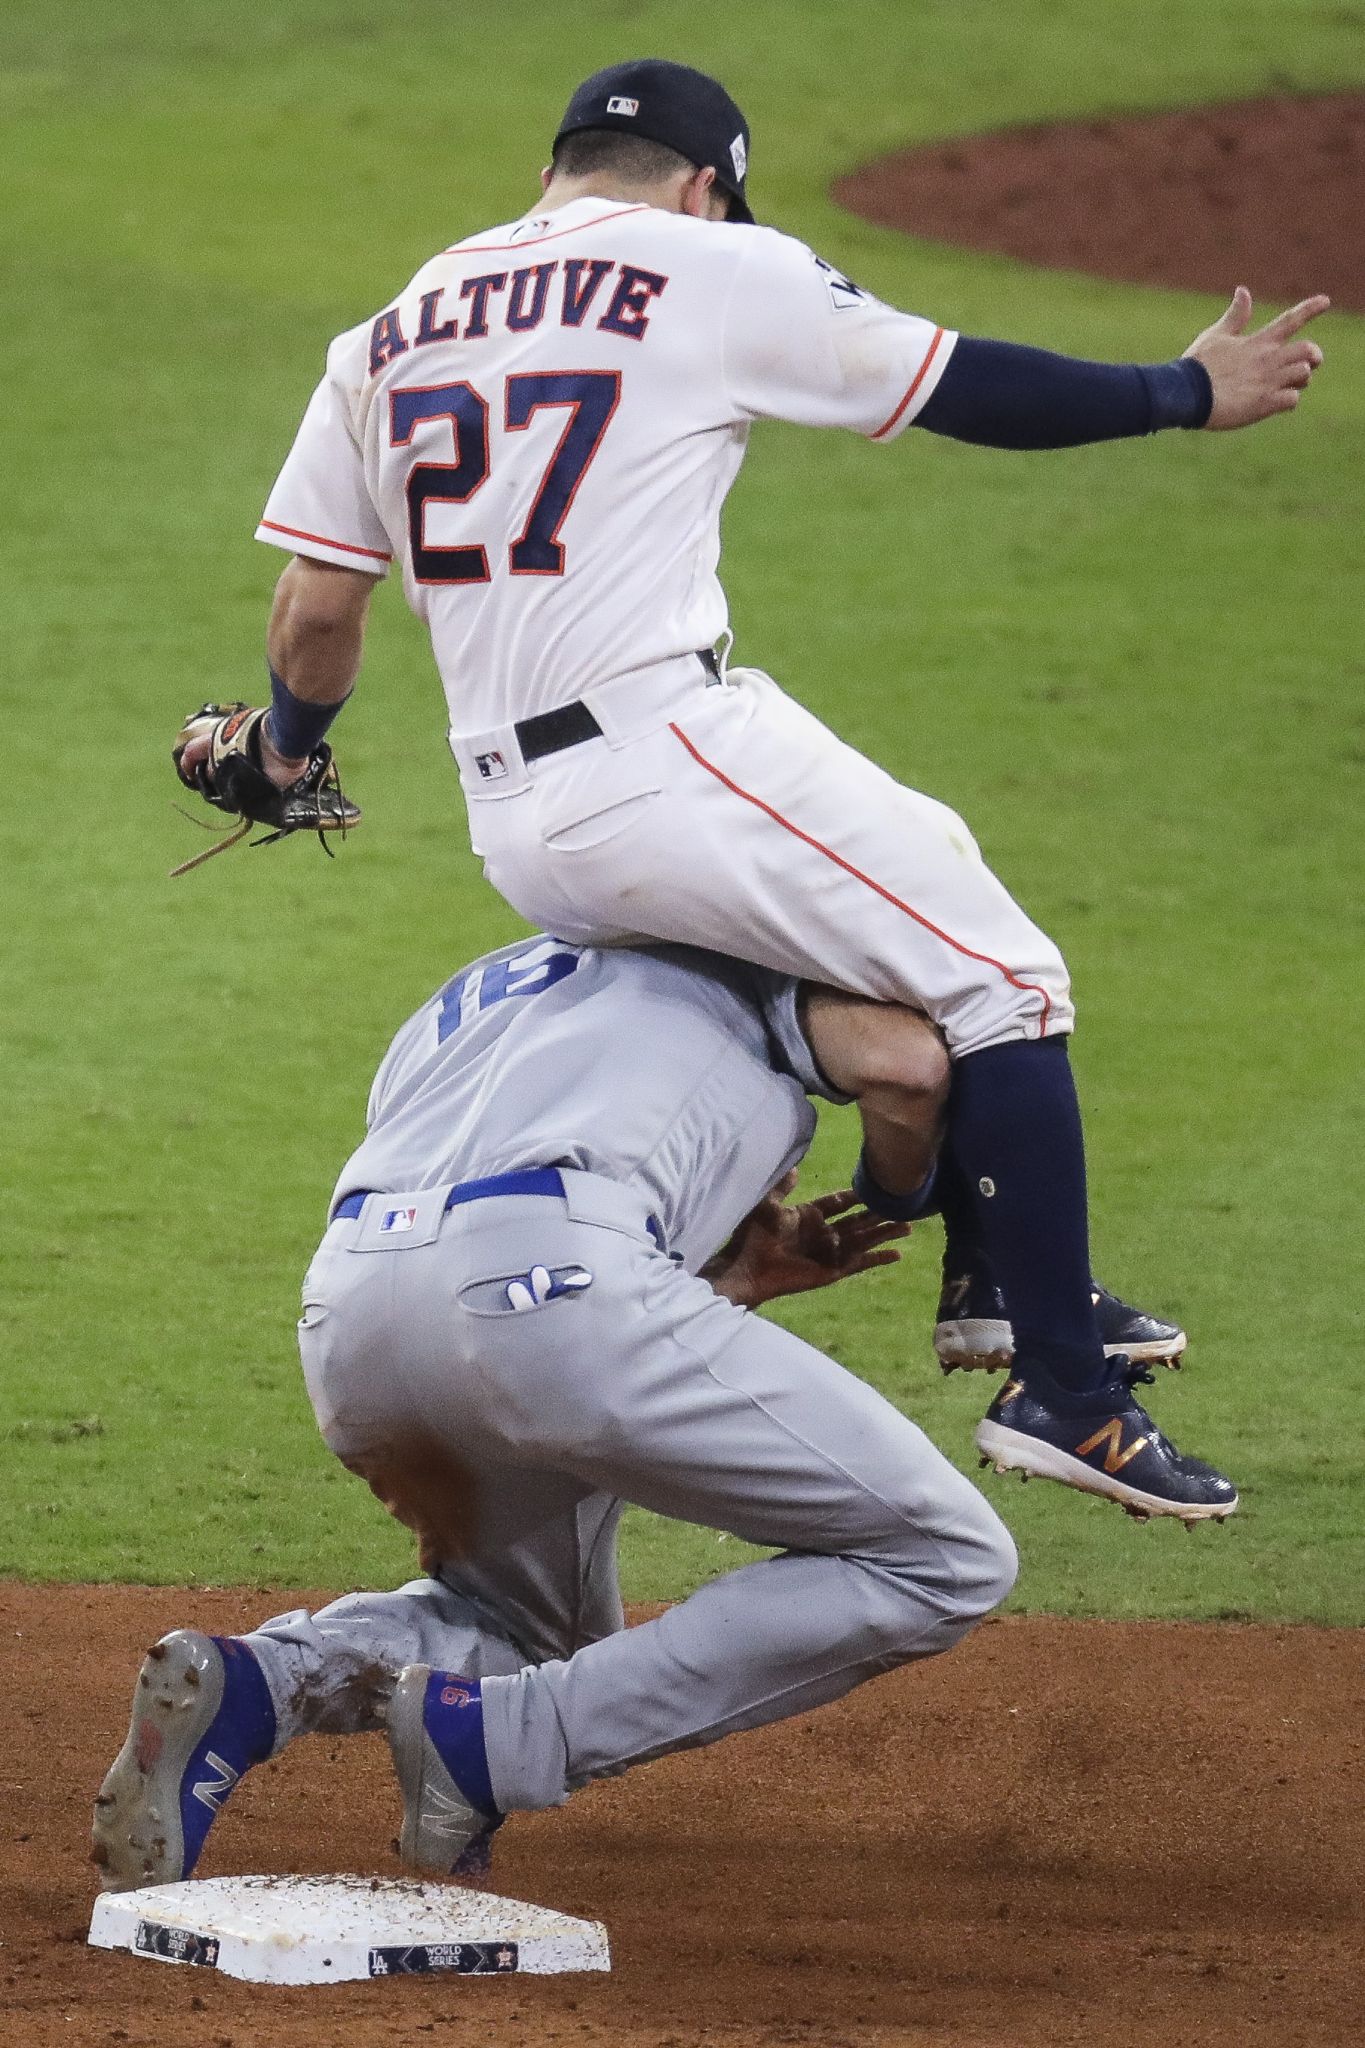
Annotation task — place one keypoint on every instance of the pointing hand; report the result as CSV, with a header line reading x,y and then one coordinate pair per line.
x,y
1257,374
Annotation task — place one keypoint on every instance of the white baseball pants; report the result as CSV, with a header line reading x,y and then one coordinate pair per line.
x,y
738,822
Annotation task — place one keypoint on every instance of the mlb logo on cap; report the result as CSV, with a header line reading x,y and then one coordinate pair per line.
x,y
397,1219
672,104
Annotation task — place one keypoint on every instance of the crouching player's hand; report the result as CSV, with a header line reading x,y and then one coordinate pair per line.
x,y
785,1247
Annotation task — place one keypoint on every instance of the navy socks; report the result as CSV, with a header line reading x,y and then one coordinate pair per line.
x,y
1016,1182
963,1251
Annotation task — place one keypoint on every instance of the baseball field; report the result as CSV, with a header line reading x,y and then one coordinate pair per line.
x,y
1126,1812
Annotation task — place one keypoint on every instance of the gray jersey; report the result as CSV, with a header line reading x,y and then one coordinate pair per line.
x,y
679,1073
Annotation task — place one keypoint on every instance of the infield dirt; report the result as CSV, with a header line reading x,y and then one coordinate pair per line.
x,y
1269,193
1063,1832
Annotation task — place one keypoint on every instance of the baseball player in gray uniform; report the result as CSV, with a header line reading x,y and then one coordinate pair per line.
x,y
531,1304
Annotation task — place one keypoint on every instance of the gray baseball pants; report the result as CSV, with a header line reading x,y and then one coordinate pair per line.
x,y
508,1439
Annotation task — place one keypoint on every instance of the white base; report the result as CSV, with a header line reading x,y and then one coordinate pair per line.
x,y
327,1930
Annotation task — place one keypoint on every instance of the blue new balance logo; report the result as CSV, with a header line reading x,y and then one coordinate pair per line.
x,y
211,1792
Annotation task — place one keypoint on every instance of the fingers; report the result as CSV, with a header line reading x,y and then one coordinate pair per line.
x,y
1238,314
874,1258
866,1261
1294,317
859,1237
829,1206
881,1231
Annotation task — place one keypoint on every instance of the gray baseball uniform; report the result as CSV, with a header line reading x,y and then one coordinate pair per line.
x,y
508,1371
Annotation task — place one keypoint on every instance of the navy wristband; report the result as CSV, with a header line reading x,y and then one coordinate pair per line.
x,y
1181,393
921,1201
295,728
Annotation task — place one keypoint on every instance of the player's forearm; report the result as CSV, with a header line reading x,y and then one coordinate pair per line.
x,y
1000,395
314,644
316,635
901,1136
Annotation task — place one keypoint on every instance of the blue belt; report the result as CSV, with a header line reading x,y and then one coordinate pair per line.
x,y
532,1180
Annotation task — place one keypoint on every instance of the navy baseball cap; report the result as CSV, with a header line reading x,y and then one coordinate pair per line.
x,y
672,104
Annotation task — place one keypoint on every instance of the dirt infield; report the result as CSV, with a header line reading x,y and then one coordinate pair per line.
x,y
1268,193
1064,1832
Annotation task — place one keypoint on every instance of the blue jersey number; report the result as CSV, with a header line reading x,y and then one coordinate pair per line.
x,y
589,397
478,988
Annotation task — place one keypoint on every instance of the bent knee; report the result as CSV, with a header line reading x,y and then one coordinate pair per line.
x,y
990,1565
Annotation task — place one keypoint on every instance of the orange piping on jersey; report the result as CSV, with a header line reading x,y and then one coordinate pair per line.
x,y
500,248
920,375
1031,988
346,547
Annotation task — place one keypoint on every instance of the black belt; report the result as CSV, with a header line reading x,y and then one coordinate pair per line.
x,y
549,732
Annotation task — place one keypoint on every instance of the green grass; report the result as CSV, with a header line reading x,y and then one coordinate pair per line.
x,y
1137,671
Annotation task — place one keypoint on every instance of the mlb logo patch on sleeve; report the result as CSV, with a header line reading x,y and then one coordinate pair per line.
x,y
396,1219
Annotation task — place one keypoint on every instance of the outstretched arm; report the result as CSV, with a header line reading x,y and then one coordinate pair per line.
x,y
1000,395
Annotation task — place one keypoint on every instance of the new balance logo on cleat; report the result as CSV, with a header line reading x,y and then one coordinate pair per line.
x,y
1115,1457
211,1792
1100,1441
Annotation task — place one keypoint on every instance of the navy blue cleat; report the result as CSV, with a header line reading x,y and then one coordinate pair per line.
x,y
1128,1332
972,1331
1102,1442
435,1725
202,1716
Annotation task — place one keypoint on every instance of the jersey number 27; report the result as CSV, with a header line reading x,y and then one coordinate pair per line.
x,y
590,397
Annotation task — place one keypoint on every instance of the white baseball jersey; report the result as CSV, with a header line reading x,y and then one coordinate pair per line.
x,y
679,1074
543,426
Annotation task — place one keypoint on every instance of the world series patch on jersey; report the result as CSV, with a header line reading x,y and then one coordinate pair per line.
x,y
543,426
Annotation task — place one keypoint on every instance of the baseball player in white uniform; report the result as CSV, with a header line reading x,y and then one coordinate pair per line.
x,y
531,1305
541,430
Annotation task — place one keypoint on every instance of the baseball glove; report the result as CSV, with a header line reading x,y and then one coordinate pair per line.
x,y
230,775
